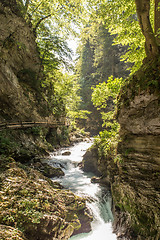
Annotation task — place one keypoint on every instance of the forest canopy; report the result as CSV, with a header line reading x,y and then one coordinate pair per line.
x,y
133,24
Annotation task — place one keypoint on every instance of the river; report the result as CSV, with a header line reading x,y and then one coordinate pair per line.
x,y
80,183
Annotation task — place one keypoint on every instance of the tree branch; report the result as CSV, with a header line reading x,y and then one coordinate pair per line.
x,y
36,8
26,5
39,22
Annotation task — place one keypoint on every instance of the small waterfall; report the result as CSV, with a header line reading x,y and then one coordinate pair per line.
x,y
80,183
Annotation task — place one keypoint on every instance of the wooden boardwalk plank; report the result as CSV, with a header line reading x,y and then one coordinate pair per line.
x,y
16,125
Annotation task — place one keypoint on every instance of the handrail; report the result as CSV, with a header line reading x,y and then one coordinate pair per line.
x,y
20,124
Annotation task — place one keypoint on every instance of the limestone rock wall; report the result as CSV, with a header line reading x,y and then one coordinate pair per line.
x,y
19,65
135,177
136,189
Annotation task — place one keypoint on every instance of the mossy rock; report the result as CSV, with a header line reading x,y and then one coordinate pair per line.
x,y
29,77
48,170
31,203
10,233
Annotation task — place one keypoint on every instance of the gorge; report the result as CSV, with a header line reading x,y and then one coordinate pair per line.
x,y
47,191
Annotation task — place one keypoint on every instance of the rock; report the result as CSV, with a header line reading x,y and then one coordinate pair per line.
x,y
80,165
95,180
90,161
11,233
17,58
135,177
67,153
85,218
136,187
48,170
51,172
34,205
74,139
57,185
100,180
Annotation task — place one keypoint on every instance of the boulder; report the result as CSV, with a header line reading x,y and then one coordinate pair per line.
x,y
48,170
67,153
90,161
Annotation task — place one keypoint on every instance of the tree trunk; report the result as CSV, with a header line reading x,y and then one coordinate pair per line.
x,y
157,21
143,9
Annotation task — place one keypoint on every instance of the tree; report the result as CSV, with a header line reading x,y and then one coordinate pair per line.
x,y
98,60
56,14
151,36
135,24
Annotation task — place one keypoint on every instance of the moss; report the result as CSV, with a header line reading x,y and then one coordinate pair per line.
x,y
29,77
142,220
37,131
10,233
24,144
28,199
9,42
145,79
5,163
7,143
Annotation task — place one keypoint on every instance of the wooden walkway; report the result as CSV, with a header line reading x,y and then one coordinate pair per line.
x,y
21,125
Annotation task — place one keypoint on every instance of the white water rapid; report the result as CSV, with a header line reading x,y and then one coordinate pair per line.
x,y
80,183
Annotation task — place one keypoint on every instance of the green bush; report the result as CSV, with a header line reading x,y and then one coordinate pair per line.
x,y
6,145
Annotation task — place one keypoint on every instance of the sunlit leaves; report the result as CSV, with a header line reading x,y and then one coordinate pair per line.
x,y
100,95
103,94
120,17
64,15
103,91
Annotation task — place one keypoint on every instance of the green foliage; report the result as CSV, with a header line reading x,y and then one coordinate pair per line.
x,y
107,139
106,142
62,15
61,91
121,19
34,130
98,60
7,145
54,51
100,96
67,87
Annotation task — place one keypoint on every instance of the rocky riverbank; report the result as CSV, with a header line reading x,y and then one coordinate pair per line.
x,y
34,207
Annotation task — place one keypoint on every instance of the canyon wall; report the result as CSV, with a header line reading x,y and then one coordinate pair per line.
x,y
20,67
135,174
136,189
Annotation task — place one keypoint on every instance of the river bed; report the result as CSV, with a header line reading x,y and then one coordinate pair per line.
x,y
80,183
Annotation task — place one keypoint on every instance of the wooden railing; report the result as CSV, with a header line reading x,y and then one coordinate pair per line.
x,y
19,125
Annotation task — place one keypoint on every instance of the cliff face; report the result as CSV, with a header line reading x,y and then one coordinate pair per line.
x,y
135,177
19,68
136,189
21,97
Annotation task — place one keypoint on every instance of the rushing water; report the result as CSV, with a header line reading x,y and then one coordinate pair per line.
x,y
80,183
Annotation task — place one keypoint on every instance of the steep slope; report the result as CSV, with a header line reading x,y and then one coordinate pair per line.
x,y
38,207
21,95
137,187
19,69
